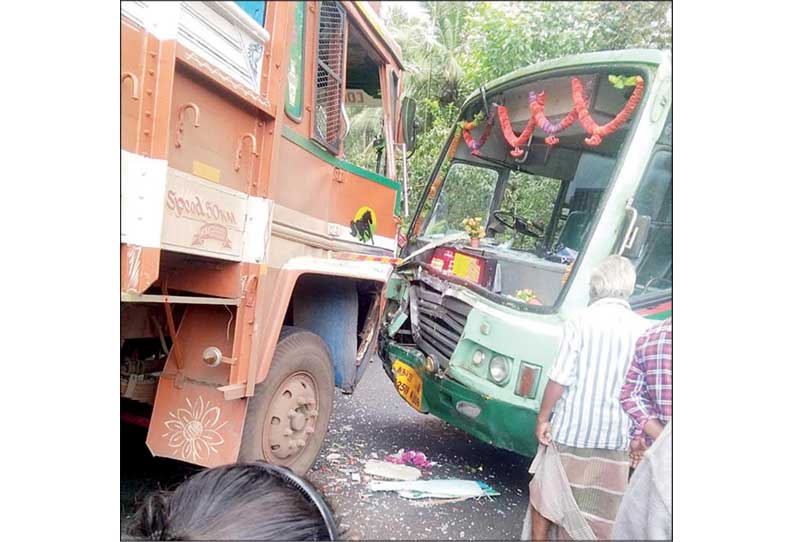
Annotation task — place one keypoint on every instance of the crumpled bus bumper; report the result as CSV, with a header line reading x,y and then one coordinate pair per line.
x,y
496,422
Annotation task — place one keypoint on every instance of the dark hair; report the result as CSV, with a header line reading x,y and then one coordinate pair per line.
x,y
233,502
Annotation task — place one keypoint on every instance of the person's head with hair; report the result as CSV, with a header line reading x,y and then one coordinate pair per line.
x,y
232,502
614,277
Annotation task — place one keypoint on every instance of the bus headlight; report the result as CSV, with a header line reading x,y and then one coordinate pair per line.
x,y
478,357
430,364
499,369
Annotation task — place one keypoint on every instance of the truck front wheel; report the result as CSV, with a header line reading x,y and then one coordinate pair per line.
x,y
288,415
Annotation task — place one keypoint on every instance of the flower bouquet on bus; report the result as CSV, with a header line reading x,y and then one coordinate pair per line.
x,y
475,230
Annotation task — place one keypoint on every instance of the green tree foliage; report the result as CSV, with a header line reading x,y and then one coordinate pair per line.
x,y
505,36
467,194
451,48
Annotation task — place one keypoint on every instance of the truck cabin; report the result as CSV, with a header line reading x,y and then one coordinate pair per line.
x,y
538,200
252,209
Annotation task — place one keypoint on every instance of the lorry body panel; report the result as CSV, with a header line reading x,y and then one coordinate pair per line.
x,y
227,201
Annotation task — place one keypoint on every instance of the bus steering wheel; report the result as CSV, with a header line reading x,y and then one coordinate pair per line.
x,y
521,225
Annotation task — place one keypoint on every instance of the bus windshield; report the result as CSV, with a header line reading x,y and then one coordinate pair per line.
x,y
528,175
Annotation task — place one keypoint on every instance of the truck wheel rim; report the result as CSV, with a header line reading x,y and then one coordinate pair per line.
x,y
291,419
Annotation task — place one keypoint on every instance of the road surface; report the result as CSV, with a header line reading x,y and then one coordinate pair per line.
x,y
371,423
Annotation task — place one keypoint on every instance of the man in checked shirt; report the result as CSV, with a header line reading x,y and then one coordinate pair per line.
x,y
647,394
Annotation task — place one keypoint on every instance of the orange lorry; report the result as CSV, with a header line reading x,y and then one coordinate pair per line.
x,y
254,253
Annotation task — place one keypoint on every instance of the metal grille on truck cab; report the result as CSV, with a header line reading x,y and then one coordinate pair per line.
x,y
328,78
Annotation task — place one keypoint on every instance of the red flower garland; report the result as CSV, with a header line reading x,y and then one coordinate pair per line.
x,y
537,104
596,131
507,131
475,146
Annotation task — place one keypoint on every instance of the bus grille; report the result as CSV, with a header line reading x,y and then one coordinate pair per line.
x,y
437,321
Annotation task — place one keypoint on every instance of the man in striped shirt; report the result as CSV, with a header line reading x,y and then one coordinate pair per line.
x,y
647,394
590,431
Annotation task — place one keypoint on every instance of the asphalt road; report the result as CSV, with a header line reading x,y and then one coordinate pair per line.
x,y
371,423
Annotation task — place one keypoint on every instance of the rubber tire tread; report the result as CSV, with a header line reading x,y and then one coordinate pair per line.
x,y
297,350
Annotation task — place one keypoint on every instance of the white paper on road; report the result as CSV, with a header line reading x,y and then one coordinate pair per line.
x,y
439,489
385,469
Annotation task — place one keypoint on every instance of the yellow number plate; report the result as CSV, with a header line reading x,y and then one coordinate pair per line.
x,y
408,384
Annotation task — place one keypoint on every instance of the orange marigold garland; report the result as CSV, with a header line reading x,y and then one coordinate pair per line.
x,y
475,145
453,147
537,104
507,131
596,131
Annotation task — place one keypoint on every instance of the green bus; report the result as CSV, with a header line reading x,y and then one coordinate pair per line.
x,y
549,170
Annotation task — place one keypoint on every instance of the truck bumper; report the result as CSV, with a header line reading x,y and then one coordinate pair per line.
x,y
498,423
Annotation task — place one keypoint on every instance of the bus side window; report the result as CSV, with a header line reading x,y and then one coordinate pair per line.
x,y
654,201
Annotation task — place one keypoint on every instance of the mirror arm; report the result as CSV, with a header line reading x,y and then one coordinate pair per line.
x,y
484,100
403,152
628,239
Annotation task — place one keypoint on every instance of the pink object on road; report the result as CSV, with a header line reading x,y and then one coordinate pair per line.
x,y
418,459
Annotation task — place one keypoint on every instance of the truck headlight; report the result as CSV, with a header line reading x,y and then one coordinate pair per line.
x,y
499,369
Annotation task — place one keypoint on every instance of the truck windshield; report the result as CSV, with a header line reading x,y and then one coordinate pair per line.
x,y
535,198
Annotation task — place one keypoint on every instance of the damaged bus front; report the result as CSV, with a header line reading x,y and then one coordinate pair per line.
x,y
549,170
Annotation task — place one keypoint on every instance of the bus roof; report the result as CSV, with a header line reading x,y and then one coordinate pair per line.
x,y
635,56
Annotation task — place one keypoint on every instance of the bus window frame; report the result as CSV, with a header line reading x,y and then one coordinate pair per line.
x,y
643,298
647,71
444,182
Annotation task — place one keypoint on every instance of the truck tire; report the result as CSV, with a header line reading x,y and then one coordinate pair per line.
x,y
288,415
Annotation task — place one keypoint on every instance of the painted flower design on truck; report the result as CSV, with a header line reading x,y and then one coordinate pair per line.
x,y
193,431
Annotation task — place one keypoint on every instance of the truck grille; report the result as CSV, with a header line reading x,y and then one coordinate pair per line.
x,y
437,321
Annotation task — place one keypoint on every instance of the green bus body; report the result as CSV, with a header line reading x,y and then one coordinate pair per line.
x,y
461,393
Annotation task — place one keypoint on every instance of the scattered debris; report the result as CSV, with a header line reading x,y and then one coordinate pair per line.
x,y
411,456
356,477
440,489
424,503
391,471
333,457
